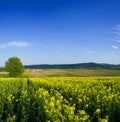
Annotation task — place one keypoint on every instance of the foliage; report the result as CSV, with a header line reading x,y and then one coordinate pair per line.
x,y
14,66
25,74
60,99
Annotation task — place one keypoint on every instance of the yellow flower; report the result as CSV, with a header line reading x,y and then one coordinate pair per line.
x,y
10,97
51,104
16,100
79,100
97,111
82,112
52,99
86,106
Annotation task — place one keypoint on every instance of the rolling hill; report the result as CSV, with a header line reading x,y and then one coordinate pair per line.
x,y
74,66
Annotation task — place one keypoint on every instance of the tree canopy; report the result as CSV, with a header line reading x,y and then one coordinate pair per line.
x,y
14,66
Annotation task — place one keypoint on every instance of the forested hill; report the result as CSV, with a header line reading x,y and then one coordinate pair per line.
x,y
74,66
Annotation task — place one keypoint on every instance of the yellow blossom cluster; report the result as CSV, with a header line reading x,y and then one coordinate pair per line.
x,y
60,99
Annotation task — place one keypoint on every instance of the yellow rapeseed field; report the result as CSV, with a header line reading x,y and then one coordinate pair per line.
x,y
60,99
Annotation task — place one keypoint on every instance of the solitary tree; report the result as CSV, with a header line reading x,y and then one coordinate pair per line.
x,y
14,66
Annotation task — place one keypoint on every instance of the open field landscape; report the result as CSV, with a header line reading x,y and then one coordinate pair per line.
x,y
72,72
59,60
60,95
35,73
65,99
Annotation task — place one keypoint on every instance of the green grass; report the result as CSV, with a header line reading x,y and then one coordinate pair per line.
x,y
68,73
4,75
77,70
96,72
24,75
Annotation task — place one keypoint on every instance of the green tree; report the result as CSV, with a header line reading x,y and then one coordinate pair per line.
x,y
14,66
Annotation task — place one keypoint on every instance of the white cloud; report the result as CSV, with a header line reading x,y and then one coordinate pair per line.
x,y
118,41
15,44
117,33
118,27
115,47
91,52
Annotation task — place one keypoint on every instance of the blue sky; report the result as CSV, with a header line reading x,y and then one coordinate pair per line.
x,y
60,31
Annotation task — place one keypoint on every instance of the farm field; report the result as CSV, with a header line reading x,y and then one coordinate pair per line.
x,y
60,99
72,73
38,73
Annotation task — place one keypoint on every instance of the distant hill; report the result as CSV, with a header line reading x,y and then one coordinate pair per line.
x,y
75,66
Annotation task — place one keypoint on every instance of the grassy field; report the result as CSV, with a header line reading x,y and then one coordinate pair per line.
x,y
6,75
65,73
72,72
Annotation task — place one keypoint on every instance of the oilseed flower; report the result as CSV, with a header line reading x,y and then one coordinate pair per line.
x,y
72,99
